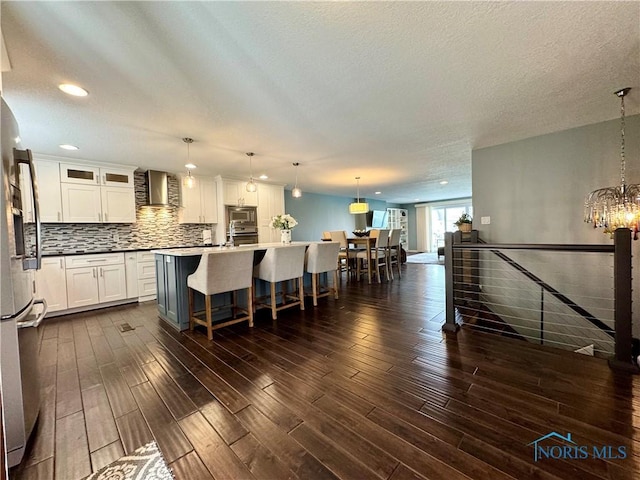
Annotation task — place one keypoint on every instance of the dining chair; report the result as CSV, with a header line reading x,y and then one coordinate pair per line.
x,y
280,264
378,254
346,255
220,273
321,258
395,251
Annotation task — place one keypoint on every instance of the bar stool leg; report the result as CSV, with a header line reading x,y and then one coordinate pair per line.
x,y
335,284
301,293
274,312
314,288
209,323
250,304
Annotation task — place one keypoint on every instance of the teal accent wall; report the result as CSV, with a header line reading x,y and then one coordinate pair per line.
x,y
316,213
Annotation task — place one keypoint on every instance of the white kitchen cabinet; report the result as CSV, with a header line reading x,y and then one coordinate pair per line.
x,y
51,283
81,203
92,194
49,193
93,279
270,204
131,273
199,204
85,174
235,193
146,276
118,205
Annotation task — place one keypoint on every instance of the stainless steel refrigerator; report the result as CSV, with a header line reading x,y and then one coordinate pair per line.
x,y
19,339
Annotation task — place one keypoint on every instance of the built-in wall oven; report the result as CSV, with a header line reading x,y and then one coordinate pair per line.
x,y
242,225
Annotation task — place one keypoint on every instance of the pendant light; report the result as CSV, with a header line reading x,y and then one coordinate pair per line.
x,y
358,206
251,185
616,207
296,192
189,181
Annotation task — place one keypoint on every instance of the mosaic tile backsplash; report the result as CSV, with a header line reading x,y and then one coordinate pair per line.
x,y
155,227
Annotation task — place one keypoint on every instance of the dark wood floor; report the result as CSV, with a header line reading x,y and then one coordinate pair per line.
x,y
364,387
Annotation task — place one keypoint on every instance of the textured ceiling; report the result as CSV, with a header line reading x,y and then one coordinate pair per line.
x,y
398,93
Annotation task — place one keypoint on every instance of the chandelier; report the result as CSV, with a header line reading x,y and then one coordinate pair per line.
x,y
611,208
358,206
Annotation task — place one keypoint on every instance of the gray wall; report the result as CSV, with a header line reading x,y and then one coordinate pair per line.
x,y
534,189
412,234
534,192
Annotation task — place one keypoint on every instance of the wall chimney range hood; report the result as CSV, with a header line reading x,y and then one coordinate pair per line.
x,y
158,188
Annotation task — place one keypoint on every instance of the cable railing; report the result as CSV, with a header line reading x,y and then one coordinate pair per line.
x,y
575,297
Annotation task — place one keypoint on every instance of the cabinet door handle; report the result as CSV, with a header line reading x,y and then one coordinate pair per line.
x,y
93,270
61,263
59,219
97,179
101,272
104,179
106,218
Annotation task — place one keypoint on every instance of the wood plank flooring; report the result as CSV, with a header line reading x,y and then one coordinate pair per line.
x,y
364,387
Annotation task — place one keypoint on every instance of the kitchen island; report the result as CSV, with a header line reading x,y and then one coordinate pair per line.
x,y
174,265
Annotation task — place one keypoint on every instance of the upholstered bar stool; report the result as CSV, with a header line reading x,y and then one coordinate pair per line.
x,y
279,265
321,258
219,273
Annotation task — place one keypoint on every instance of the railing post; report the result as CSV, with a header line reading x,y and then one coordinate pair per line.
x,y
541,316
622,300
450,324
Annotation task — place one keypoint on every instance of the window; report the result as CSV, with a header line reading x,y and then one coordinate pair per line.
x,y
443,218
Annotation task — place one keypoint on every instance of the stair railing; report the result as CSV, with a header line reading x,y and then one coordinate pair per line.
x,y
621,250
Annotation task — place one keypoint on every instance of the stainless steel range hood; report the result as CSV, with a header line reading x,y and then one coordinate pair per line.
x,y
158,188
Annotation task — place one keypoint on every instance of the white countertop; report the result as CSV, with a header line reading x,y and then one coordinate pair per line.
x,y
193,251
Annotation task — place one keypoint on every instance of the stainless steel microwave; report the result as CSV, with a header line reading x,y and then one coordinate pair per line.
x,y
246,216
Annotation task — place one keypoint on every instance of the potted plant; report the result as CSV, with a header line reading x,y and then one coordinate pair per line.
x,y
464,223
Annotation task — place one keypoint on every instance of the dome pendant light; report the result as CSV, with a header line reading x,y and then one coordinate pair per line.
x,y
296,192
358,206
251,185
189,181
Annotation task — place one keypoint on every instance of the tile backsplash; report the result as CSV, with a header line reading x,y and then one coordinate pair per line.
x,y
155,227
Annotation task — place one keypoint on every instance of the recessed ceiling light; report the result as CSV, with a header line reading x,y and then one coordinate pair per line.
x,y
68,147
443,182
263,177
416,199
74,90
190,166
18,139
378,193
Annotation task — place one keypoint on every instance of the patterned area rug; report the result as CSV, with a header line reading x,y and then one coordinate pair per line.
x,y
145,463
425,258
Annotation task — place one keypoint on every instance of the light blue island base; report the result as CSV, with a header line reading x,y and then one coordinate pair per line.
x,y
173,266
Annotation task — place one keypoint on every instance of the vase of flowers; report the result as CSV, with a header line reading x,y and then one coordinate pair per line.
x,y
284,223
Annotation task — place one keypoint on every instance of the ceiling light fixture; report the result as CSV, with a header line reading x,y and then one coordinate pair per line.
x,y
263,177
377,193
68,147
358,206
611,208
296,192
443,182
251,185
189,181
74,90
